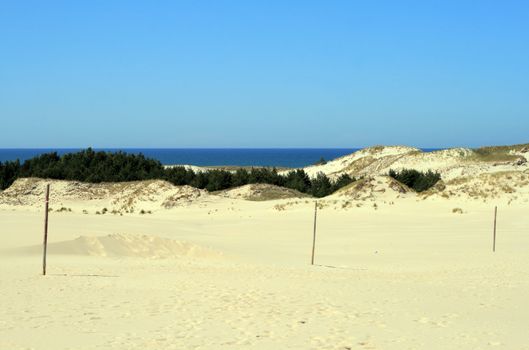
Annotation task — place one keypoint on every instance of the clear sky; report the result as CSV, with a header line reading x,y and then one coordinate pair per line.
x,y
109,73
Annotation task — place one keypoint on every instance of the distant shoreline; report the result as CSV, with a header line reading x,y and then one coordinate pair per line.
x,y
210,157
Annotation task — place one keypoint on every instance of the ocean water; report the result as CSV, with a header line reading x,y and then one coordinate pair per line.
x,y
279,157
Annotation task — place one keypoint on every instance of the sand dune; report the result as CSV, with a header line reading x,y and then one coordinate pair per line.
x,y
394,269
451,163
409,275
127,245
124,197
466,174
261,192
382,188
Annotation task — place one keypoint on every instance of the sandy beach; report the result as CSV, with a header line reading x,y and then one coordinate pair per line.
x,y
264,175
223,272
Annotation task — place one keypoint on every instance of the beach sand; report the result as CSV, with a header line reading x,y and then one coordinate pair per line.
x,y
233,274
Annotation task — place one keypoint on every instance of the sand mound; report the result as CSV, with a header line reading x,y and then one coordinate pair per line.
x,y
507,185
451,163
127,245
486,173
375,188
355,163
261,192
115,197
462,170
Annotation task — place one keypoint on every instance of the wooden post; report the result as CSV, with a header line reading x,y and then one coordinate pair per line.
x,y
45,229
314,233
494,235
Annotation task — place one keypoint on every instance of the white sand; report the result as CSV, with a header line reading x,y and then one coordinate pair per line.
x,y
394,270
407,276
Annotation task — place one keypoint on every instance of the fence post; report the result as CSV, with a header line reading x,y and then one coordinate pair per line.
x,y
45,245
314,233
494,234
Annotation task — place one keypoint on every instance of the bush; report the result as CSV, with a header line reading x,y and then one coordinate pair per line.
x,y
241,177
322,161
265,176
179,175
91,166
9,172
218,180
417,180
342,181
298,180
321,186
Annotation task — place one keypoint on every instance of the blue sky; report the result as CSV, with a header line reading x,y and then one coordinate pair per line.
x,y
263,73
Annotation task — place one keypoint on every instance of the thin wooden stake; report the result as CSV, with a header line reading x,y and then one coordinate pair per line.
x,y
494,236
314,234
45,229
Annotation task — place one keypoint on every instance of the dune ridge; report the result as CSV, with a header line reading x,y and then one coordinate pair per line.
x,y
499,174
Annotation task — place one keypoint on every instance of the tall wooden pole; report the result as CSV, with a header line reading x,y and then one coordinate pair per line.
x,y
494,235
314,233
45,229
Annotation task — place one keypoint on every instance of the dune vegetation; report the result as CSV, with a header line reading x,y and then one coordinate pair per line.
x,y
417,180
95,167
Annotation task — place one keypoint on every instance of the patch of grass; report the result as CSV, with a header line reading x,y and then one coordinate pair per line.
x,y
494,157
272,192
265,192
280,207
505,149
497,153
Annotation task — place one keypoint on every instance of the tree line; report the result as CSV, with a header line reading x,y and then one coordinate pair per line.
x,y
95,167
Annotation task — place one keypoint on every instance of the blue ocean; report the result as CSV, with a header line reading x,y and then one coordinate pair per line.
x,y
279,157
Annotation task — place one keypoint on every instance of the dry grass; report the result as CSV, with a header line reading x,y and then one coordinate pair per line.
x,y
498,153
261,192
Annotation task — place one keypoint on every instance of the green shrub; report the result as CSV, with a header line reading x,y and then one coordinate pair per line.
x,y
322,161
342,181
417,180
298,180
9,172
94,167
321,186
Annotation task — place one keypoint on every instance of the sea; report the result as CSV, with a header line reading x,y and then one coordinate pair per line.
x,y
277,157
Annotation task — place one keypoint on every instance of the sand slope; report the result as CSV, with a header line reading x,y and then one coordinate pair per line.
x,y
412,275
125,197
126,245
394,269
466,175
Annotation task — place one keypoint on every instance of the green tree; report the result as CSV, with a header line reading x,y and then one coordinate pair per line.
x,y
321,186
342,181
298,180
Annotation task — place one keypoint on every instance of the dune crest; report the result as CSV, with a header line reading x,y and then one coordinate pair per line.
x,y
122,197
261,192
475,174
